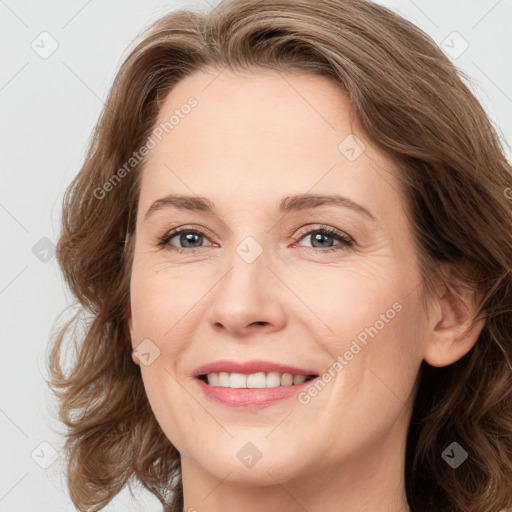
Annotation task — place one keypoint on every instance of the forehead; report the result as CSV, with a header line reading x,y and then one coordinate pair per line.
x,y
253,136
275,108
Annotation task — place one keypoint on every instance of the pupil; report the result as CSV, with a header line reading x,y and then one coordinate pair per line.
x,y
322,235
186,238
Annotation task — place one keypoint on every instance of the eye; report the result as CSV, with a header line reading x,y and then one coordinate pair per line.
x,y
321,241
191,240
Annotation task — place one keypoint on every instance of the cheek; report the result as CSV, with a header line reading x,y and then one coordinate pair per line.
x,y
379,350
159,314
372,321
348,303
389,353
162,300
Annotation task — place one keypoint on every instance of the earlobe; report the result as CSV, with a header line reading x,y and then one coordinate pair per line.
x,y
135,359
451,335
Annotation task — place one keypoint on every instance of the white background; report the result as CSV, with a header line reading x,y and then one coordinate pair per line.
x,y
48,110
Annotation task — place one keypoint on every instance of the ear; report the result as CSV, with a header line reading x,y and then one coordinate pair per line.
x,y
451,335
132,338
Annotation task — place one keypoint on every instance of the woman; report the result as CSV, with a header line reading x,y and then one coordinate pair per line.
x,y
232,361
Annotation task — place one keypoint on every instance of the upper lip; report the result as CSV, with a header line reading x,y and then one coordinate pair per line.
x,y
248,367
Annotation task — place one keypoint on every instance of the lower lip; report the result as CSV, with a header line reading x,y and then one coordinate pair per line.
x,y
251,398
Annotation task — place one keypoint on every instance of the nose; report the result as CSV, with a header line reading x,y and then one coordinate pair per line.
x,y
247,299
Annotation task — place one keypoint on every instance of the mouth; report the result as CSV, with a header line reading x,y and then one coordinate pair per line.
x,y
258,380
251,385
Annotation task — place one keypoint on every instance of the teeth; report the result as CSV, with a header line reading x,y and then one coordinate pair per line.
x,y
237,380
254,380
286,379
298,379
257,380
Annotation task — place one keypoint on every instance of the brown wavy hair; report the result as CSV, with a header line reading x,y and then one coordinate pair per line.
x,y
413,105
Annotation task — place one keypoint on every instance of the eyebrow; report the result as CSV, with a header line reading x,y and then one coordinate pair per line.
x,y
287,204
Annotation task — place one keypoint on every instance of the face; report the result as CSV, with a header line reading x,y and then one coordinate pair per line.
x,y
331,289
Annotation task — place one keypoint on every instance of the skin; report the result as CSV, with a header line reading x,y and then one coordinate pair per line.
x,y
252,139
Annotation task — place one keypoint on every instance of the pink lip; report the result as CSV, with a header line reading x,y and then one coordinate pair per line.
x,y
250,399
249,367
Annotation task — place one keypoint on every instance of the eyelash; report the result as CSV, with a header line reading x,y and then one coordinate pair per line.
x,y
346,241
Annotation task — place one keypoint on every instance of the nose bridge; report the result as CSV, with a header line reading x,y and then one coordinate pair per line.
x,y
244,284
246,294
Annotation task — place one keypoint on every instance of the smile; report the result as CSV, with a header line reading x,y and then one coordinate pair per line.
x,y
257,380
